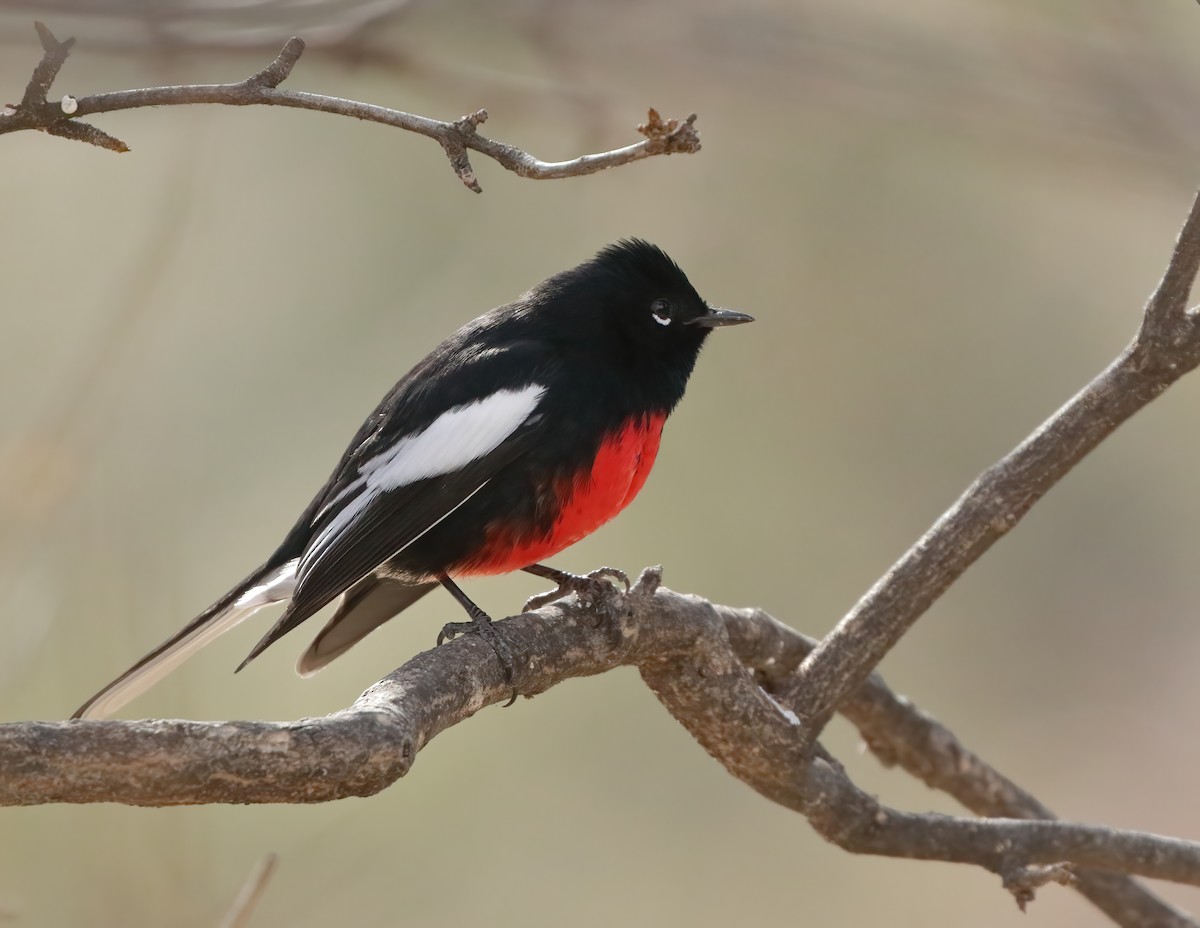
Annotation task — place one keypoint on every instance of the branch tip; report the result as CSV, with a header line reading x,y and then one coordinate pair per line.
x,y
456,151
648,582
49,43
670,136
466,173
278,70
53,57
1166,320
83,132
472,121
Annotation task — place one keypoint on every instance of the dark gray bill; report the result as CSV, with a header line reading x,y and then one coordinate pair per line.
x,y
718,317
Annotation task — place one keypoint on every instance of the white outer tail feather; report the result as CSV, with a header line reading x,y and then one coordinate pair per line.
x,y
276,588
457,437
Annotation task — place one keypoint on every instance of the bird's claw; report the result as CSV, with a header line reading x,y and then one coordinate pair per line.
x,y
452,630
591,588
486,632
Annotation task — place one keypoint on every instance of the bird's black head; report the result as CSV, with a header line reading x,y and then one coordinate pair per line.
x,y
634,299
633,308
650,300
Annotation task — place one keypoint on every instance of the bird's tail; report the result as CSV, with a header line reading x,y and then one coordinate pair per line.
x,y
363,608
271,583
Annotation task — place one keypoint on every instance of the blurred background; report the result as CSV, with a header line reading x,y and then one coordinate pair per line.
x,y
946,216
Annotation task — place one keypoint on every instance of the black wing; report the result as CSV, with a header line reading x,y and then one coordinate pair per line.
x,y
370,510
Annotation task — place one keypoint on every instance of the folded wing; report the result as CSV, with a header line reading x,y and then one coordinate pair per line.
x,y
398,487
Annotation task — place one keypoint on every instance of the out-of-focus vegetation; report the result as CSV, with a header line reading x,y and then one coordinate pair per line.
x,y
946,217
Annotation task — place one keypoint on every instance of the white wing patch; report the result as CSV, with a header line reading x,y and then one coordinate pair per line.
x,y
457,437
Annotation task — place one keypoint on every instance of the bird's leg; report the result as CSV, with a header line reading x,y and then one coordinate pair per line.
x,y
481,625
591,588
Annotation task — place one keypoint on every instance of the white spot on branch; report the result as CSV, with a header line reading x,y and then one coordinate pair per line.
x,y
783,710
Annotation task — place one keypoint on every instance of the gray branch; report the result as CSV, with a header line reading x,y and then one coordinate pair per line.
x,y
899,734
754,694
1166,347
695,656
660,136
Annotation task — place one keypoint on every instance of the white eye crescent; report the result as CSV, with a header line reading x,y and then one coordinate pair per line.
x,y
661,311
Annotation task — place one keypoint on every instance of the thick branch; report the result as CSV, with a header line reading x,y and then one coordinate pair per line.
x,y
661,136
1167,347
680,645
899,734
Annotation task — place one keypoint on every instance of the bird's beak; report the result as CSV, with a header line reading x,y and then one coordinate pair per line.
x,y
718,317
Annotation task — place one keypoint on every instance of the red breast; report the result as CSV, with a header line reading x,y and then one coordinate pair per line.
x,y
584,503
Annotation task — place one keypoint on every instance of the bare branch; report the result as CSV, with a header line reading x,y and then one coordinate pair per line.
x,y
693,655
85,132
278,70
1166,347
857,822
662,137
900,734
54,57
682,648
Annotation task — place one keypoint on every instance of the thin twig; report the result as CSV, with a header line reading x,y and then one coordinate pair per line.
x,y
53,58
252,890
661,136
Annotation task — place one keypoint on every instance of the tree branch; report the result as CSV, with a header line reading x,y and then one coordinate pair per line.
x,y
688,651
1166,347
900,734
693,655
54,57
661,136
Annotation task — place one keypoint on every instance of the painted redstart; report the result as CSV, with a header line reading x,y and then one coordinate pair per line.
x,y
522,433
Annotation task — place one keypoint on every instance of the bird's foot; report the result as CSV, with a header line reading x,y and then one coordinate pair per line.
x,y
593,588
487,632
481,625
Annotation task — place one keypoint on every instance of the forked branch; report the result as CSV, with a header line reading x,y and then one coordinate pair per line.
x,y
696,658
755,694
1166,347
457,138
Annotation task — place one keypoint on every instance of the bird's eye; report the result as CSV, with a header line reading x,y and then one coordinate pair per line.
x,y
661,311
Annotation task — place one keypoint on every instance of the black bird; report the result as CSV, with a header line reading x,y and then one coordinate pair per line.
x,y
523,432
